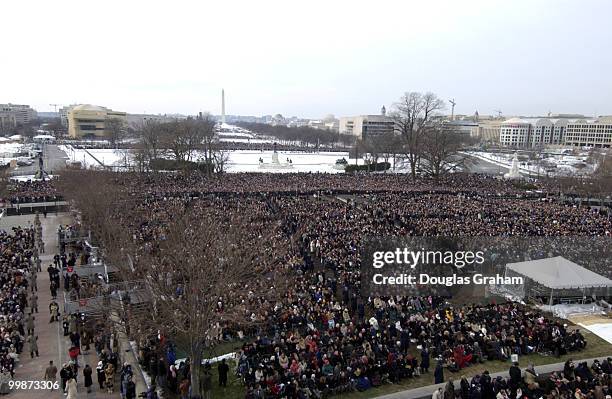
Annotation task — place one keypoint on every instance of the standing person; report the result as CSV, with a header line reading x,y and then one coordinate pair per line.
x,y
33,342
65,325
439,373
130,390
449,390
206,382
223,369
30,324
34,303
51,373
65,374
54,311
425,360
109,374
184,388
101,375
53,289
71,389
87,372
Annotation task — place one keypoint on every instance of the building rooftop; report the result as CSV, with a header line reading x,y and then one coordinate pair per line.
x,y
89,107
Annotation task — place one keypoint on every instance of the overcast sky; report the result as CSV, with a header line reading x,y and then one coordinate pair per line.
x,y
308,58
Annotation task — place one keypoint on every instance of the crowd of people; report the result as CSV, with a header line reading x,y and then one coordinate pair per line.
x,y
23,192
323,337
19,263
573,382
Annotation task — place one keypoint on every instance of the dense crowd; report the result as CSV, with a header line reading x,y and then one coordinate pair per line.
x,y
323,337
22,192
18,297
574,381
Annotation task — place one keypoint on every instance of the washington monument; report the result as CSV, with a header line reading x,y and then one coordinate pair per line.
x,y
222,106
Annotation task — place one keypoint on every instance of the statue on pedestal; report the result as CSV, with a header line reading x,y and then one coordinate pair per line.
x,y
514,169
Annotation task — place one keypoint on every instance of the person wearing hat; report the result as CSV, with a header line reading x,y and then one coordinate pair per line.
x,y
101,375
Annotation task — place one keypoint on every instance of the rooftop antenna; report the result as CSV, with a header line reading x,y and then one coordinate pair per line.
x,y
452,109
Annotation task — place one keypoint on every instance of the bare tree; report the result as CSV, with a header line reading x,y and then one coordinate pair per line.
x,y
412,114
207,269
440,150
206,136
151,135
220,159
115,130
387,145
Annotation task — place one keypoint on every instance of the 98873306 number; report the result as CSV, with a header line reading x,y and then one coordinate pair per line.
x,y
35,385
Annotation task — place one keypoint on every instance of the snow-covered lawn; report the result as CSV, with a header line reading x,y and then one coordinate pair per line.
x,y
564,164
95,158
248,161
239,160
603,330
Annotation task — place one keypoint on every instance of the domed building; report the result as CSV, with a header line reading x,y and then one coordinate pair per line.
x,y
90,121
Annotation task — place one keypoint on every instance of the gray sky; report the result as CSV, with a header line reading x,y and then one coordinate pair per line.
x,y
308,58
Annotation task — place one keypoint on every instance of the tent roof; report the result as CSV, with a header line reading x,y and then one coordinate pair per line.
x,y
559,273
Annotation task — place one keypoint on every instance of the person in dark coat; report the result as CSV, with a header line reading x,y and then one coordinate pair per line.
x,y
87,372
223,369
487,386
101,376
449,390
425,360
515,378
130,390
465,388
439,373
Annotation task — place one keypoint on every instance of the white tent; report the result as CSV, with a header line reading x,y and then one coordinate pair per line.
x,y
559,273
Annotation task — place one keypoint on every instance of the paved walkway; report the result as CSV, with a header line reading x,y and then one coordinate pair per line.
x,y
52,344
427,391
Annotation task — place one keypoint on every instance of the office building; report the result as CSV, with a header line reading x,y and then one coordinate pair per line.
x,y
89,121
21,114
7,121
364,126
583,133
63,114
539,132
135,121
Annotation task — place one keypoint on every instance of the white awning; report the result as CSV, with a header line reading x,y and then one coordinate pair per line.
x,y
559,273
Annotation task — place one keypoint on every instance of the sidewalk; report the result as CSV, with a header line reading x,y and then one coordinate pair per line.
x,y
427,391
52,344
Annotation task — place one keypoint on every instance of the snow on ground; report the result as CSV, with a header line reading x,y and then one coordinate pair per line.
x,y
95,158
568,311
565,164
248,161
602,330
243,140
12,148
239,160
236,134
